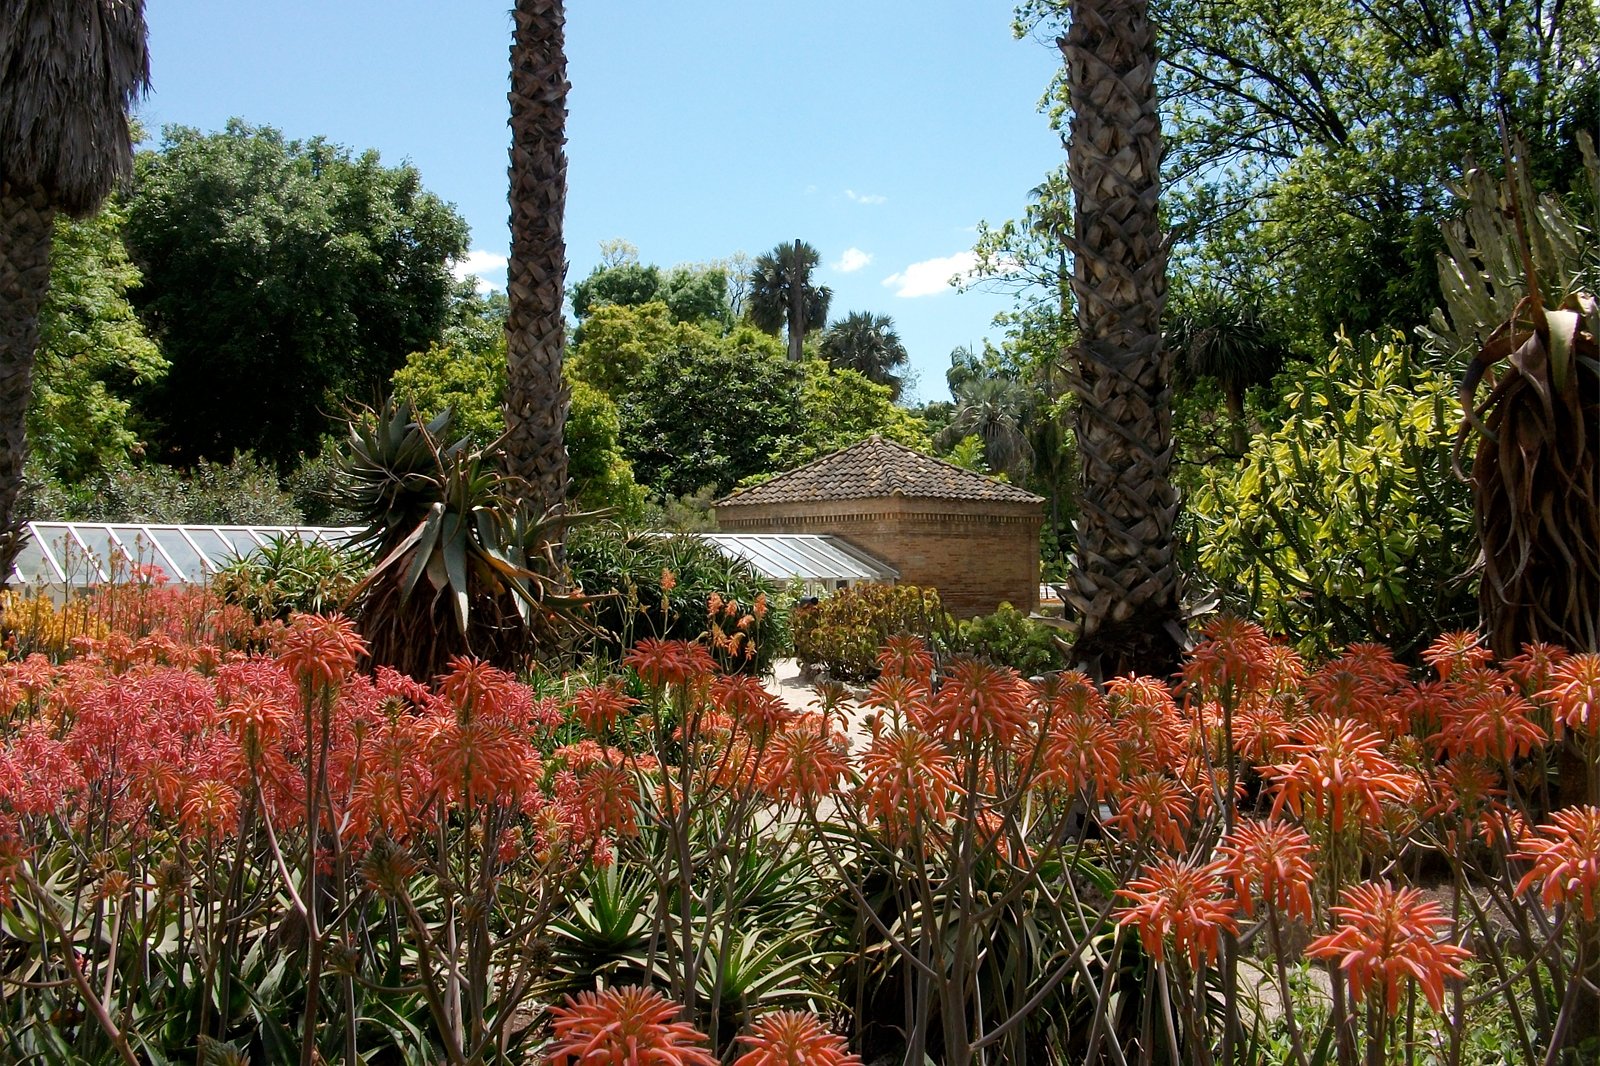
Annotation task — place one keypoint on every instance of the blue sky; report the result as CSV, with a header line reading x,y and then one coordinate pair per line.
x,y
881,131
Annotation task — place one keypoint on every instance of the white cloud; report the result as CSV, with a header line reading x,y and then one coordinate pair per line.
x,y
931,276
852,260
865,197
487,267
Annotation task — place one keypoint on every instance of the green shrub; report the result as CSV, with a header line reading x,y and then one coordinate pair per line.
x,y
291,574
1010,638
1346,523
243,492
627,568
842,633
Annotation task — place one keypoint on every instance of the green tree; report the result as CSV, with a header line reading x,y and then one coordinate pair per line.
x,y
284,279
711,411
612,348
93,351
472,384
841,407
782,295
71,70
626,284
536,397
1231,337
698,294
1311,140
867,343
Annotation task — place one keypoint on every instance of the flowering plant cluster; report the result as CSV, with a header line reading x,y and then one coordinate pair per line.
x,y
249,844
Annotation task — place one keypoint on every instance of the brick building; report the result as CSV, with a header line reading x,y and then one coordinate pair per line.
x,y
971,537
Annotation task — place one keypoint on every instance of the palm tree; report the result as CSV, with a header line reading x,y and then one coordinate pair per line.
x,y
69,71
995,409
1231,338
1124,583
781,294
867,343
536,398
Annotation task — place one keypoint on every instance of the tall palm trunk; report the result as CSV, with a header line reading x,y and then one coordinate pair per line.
x,y
536,399
797,309
26,221
1125,582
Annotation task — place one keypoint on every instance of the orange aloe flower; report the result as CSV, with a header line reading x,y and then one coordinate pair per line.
x,y
670,662
1336,772
1156,808
1180,901
1533,667
803,763
1387,936
1269,862
980,700
1574,693
906,656
610,799
1566,859
1358,686
1496,725
1080,754
794,1038
1455,652
1233,657
321,649
624,1027
906,774
597,707
748,704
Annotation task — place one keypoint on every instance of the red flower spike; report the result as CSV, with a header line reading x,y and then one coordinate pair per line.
x,y
1566,860
1456,652
1233,656
1269,863
803,763
1574,693
794,1038
1336,772
1156,808
598,707
1496,725
904,655
624,1027
979,700
907,775
1182,903
321,649
660,663
1387,936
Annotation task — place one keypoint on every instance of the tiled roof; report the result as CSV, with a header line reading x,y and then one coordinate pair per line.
x,y
877,468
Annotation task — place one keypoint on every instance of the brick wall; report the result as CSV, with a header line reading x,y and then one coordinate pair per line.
x,y
977,554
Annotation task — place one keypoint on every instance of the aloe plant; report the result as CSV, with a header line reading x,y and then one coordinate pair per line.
x,y
462,566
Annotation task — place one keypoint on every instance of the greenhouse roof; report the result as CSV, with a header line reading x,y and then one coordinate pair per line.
x,y
86,553
808,556
72,554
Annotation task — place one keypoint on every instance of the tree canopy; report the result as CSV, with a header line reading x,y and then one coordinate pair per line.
x,y
868,344
283,279
93,351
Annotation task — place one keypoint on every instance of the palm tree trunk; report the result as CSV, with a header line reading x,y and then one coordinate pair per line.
x,y
536,398
797,308
1125,582
27,219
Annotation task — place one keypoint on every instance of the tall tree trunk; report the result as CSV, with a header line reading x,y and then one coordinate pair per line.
x,y
1124,582
797,308
536,398
26,224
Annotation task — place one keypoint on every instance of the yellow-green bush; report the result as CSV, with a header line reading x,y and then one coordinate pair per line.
x,y
1346,523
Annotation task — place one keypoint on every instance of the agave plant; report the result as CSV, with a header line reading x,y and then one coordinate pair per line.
x,y
462,567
